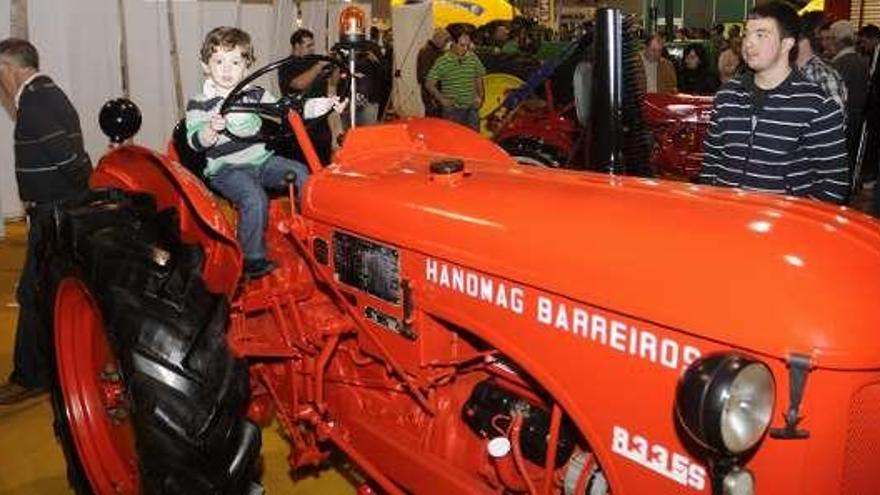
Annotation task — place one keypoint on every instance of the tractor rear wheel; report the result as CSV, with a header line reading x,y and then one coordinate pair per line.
x,y
147,397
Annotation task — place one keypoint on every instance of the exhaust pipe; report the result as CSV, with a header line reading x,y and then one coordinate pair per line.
x,y
606,147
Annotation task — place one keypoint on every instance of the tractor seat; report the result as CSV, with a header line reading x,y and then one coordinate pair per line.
x,y
194,161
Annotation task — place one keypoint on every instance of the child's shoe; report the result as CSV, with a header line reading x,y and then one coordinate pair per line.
x,y
257,268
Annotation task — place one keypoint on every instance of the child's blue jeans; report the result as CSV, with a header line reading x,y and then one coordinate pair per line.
x,y
245,186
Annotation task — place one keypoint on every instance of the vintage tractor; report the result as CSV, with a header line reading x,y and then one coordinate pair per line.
x,y
456,323
664,132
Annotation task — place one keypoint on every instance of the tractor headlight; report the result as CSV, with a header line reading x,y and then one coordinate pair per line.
x,y
725,402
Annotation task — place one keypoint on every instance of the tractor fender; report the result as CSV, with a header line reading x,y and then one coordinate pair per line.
x,y
201,220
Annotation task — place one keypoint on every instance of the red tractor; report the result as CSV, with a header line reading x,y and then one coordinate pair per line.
x,y
678,124
541,133
456,323
664,132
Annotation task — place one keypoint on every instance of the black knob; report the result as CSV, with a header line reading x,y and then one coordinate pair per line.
x,y
120,119
447,166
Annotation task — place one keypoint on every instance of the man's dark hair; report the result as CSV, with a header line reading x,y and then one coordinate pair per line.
x,y
456,31
870,31
300,35
786,18
655,35
699,50
21,51
811,23
719,29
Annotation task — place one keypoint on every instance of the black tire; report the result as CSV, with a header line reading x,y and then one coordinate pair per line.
x,y
186,393
534,152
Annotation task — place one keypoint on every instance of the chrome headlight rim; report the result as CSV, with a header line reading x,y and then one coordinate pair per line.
x,y
702,396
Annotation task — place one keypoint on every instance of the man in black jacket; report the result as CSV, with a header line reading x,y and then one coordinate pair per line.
x,y
312,78
51,166
854,71
429,54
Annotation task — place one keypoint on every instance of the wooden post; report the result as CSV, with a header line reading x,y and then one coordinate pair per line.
x,y
861,14
175,59
18,19
123,50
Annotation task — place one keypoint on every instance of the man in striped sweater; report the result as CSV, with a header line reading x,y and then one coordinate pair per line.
x,y
771,129
51,166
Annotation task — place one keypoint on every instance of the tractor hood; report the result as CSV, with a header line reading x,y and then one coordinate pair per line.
x,y
770,274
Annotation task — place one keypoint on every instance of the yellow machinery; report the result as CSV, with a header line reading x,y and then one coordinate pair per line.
x,y
476,12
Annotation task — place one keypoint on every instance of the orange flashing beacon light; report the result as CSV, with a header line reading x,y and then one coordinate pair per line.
x,y
352,25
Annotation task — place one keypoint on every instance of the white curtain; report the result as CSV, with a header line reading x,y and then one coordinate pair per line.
x,y
314,18
9,204
413,25
78,44
79,41
285,25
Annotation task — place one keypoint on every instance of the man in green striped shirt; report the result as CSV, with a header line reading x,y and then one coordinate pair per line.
x,y
459,74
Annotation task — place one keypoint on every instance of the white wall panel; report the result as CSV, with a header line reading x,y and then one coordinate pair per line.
x,y
9,203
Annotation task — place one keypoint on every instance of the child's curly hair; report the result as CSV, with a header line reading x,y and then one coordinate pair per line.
x,y
228,38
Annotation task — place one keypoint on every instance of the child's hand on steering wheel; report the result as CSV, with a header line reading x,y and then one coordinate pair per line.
x,y
218,122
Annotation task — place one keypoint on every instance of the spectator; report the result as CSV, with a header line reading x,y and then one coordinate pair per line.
x,y
854,70
869,39
51,166
771,129
369,83
427,56
811,64
730,61
682,34
719,44
388,72
459,75
695,76
827,42
871,145
239,171
500,40
314,78
517,40
734,35
659,72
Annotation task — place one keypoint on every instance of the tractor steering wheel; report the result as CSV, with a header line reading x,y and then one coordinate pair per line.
x,y
234,102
